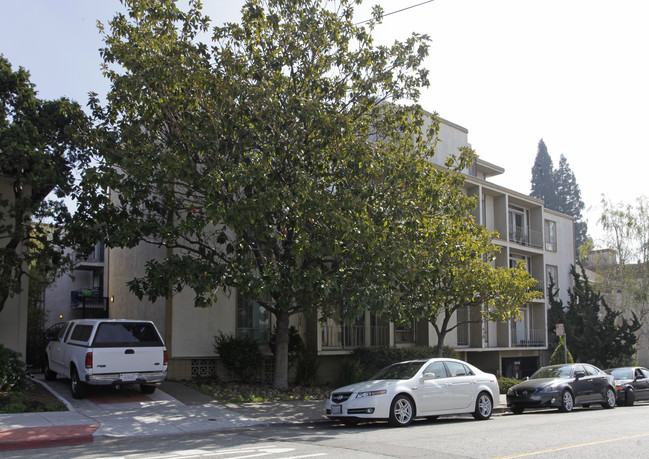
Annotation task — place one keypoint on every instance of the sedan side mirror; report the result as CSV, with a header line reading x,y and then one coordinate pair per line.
x,y
579,374
51,337
428,376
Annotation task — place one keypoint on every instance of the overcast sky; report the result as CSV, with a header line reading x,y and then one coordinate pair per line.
x,y
573,72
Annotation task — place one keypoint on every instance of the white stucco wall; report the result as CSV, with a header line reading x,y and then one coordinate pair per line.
x,y
564,257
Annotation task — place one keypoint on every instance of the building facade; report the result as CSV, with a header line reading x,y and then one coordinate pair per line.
x,y
543,240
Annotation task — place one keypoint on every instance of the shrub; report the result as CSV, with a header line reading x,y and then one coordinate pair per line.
x,y
351,371
505,383
306,369
559,355
12,371
240,355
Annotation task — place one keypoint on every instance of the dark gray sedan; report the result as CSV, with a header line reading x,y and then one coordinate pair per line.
x,y
632,383
563,387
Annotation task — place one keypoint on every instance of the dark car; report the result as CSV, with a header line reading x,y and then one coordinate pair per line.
x,y
563,387
632,383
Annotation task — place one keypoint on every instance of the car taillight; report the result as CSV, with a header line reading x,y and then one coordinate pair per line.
x,y
88,359
165,359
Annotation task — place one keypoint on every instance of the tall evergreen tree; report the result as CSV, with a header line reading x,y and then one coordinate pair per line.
x,y
568,199
559,190
595,333
543,177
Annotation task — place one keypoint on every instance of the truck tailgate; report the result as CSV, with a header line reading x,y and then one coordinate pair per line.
x,y
128,359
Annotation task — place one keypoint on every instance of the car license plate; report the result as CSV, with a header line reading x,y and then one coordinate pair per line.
x,y
336,409
128,377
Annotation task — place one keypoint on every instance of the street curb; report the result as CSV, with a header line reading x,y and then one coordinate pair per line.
x,y
43,437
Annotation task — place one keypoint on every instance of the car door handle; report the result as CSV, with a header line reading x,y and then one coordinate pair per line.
x,y
129,351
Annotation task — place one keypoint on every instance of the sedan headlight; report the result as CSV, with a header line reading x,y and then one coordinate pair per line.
x,y
510,391
548,389
371,392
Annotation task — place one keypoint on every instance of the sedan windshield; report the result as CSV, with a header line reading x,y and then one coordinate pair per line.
x,y
621,373
405,370
564,371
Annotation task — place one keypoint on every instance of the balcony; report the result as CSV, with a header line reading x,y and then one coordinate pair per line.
x,y
525,236
528,338
336,336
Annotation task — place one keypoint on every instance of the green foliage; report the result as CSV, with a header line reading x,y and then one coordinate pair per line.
x,y
505,383
596,333
559,190
372,359
274,159
42,142
559,354
306,369
543,177
451,276
240,355
351,371
12,371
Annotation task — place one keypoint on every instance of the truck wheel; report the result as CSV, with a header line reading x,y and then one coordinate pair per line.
x,y
147,389
77,387
49,374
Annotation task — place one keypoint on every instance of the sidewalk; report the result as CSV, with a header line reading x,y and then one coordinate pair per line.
x,y
172,409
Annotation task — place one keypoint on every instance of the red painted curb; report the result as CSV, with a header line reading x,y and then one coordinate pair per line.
x,y
41,437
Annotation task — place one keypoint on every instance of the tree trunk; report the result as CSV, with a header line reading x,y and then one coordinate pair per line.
x,y
281,352
441,336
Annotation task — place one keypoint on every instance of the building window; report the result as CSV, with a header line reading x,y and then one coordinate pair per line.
x,y
405,333
551,235
252,320
518,225
515,258
553,276
463,326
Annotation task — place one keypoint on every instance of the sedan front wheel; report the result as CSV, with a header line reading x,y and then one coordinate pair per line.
x,y
567,402
402,411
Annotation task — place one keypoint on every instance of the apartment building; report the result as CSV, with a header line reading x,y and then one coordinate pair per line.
x,y
528,232
542,239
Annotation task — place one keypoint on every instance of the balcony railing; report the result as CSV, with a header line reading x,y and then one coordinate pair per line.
x,y
528,338
380,335
525,236
351,336
343,336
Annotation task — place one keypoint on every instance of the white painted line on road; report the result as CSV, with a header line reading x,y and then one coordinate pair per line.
x,y
306,455
576,445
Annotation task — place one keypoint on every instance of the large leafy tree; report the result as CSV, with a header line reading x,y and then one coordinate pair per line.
x,y
455,271
595,333
41,144
273,160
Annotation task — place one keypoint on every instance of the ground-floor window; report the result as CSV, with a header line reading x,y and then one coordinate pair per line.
x,y
252,320
405,333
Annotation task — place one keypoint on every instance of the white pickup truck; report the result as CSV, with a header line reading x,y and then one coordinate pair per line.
x,y
107,352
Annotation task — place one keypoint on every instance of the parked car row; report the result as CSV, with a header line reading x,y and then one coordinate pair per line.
x,y
443,386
